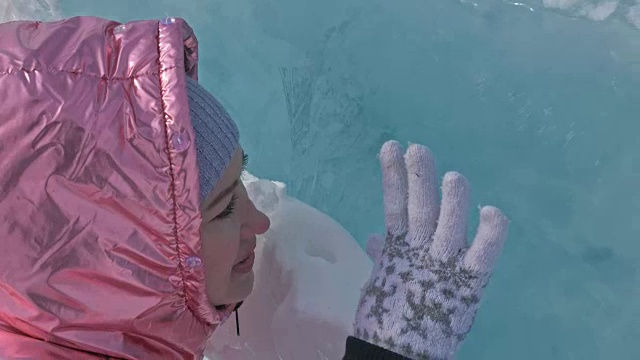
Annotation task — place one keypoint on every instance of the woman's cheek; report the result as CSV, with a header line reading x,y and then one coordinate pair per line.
x,y
221,242
229,240
214,246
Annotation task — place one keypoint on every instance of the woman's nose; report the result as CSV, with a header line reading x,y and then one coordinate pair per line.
x,y
258,222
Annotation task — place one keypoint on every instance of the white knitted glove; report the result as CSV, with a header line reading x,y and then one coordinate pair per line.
x,y
426,284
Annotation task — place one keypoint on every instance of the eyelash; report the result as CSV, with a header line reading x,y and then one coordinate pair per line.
x,y
228,211
245,160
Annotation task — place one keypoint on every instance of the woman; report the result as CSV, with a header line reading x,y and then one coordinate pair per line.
x,y
127,233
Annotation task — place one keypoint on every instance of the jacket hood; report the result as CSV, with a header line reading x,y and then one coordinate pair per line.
x,y
99,205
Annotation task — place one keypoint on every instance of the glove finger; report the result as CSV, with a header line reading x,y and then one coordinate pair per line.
x,y
424,202
451,232
489,240
394,178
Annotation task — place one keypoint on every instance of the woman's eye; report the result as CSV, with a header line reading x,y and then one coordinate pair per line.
x,y
228,211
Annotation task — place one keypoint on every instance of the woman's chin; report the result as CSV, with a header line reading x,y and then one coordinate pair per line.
x,y
243,287
238,289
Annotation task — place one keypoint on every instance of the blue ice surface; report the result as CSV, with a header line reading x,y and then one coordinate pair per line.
x,y
538,107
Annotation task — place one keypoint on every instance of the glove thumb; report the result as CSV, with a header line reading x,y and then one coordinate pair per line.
x,y
374,247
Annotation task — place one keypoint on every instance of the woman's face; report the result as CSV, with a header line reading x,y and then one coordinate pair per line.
x,y
230,223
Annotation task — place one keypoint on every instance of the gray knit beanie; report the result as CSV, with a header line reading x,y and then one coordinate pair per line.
x,y
217,136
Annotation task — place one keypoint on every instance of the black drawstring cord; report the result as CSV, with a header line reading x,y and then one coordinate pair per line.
x,y
237,320
237,323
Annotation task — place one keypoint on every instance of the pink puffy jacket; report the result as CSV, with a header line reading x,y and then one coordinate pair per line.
x,y
99,220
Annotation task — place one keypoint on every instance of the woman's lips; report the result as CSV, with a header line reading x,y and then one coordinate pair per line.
x,y
245,265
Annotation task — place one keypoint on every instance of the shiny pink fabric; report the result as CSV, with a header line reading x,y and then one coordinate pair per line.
x,y
99,220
